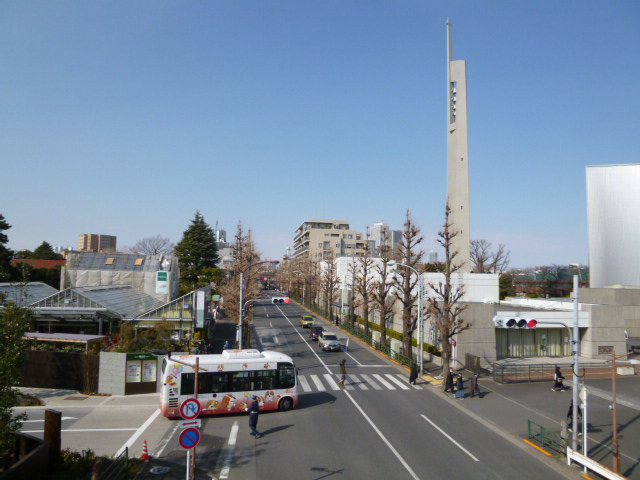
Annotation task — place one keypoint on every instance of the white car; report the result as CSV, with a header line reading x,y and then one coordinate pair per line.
x,y
329,341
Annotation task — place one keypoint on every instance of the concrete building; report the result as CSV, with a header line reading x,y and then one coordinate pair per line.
x,y
90,242
380,234
458,156
319,239
613,200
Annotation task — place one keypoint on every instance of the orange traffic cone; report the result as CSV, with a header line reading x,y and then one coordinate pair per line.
x,y
145,452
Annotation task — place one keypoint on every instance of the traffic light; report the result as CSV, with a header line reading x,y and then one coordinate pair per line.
x,y
280,300
514,322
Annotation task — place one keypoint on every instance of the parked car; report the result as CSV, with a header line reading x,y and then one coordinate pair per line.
x,y
329,341
306,321
315,332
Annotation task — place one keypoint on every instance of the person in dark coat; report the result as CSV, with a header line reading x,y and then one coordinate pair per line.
x,y
414,373
459,387
557,381
448,384
254,410
473,386
570,416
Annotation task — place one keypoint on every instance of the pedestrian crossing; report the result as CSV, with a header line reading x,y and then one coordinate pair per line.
x,y
376,381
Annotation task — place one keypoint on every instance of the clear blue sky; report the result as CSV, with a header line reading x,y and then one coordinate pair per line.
x,y
125,117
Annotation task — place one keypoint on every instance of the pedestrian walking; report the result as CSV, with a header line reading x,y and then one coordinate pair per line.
x,y
570,416
414,373
448,384
343,371
557,381
474,387
254,410
459,387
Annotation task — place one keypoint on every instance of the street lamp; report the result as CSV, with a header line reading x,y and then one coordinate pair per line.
x,y
241,305
616,451
420,326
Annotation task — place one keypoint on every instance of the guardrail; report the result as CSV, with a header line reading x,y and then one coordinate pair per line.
x,y
573,456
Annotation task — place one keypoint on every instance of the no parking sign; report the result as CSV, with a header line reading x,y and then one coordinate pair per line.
x,y
189,438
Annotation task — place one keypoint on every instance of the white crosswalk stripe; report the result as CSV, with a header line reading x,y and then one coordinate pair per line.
x,y
319,384
403,385
329,378
360,381
353,378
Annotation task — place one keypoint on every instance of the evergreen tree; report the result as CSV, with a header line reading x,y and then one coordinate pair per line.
x,y
6,272
45,252
196,252
14,321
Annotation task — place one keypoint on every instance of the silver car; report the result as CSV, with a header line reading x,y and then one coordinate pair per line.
x,y
329,341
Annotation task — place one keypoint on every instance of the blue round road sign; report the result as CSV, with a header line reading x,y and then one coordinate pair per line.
x,y
189,438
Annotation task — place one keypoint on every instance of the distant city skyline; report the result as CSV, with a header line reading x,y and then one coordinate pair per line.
x,y
273,113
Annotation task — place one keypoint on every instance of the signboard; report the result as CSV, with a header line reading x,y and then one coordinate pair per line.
x,y
189,438
190,409
200,309
149,370
162,282
605,349
197,423
134,371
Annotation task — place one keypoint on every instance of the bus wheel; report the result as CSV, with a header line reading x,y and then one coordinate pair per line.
x,y
286,404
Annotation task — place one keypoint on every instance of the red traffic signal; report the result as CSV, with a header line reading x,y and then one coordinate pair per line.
x,y
280,300
521,323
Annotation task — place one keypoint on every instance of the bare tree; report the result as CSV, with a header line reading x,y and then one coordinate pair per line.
x,y
329,283
361,274
406,281
444,306
484,260
381,288
153,246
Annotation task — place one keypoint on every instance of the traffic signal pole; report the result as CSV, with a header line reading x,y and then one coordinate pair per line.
x,y
576,358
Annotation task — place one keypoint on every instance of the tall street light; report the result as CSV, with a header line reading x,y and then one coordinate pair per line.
x,y
241,304
420,326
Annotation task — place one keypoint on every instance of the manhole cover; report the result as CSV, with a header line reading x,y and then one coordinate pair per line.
x,y
157,470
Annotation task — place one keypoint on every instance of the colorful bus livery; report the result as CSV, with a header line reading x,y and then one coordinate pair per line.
x,y
226,382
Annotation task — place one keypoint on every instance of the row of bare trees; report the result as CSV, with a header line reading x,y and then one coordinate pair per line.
x,y
378,283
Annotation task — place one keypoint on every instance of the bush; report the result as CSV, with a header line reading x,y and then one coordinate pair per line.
x,y
74,465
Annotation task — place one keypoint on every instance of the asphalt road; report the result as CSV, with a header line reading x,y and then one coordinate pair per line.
x,y
376,427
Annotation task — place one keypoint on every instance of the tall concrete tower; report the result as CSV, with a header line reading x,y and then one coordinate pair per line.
x,y
458,157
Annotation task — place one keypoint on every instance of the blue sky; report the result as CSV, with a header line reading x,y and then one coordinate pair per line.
x,y
124,118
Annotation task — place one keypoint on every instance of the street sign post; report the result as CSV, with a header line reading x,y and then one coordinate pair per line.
x,y
197,423
190,409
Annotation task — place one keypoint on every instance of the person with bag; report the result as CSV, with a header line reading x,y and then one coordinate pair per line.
x,y
413,375
557,381
459,388
343,372
474,387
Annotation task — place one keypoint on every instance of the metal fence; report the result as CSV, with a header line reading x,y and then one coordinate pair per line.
x,y
546,438
523,373
118,469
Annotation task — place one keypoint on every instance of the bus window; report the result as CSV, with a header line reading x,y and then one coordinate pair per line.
x,y
214,382
186,383
264,380
241,381
286,375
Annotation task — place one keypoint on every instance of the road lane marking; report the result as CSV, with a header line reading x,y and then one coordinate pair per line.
x,y
384,382
384,439
402,385
329,378
226,466
86,430
135,436
450,438
370,381
356,381
62,419
318,383
303,383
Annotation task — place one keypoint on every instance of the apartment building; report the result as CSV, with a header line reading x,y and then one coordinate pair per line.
x,y
90,242
320,239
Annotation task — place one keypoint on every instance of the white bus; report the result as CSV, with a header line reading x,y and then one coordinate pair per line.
x,y
226,382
